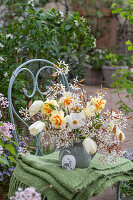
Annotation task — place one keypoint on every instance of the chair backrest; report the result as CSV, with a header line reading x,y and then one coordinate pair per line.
x,y
25,67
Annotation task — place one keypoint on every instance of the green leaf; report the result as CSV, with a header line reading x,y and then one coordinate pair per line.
x,y
4,160
52,106
113,5
129,2
15,143
12,159
117,10
128,42
98,126
130,48
31,11
1,143
129,90
97,116
124,14
10,148
1,124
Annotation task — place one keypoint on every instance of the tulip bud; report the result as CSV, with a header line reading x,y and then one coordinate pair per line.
x,y
35,107
90,145
120,135
36,128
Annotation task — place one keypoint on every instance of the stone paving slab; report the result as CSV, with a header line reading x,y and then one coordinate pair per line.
x,y
108,194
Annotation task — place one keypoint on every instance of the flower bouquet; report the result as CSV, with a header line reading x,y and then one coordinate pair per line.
x,y
71,117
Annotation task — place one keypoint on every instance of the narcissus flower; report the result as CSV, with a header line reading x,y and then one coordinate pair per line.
x,y
36,128
66,100
90,145
57,119
99,103
47,106
75,120
35,107
90,110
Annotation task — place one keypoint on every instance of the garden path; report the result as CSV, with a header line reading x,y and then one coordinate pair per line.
x,y
112,99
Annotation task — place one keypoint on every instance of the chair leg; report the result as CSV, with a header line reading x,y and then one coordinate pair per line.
x,y
118,190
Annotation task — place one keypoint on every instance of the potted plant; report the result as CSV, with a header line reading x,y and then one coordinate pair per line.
x,y
112,63
93,68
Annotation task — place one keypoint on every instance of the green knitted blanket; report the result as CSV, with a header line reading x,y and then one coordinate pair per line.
x,y
43,172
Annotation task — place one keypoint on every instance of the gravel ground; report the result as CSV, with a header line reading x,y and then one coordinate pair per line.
x,y
112,99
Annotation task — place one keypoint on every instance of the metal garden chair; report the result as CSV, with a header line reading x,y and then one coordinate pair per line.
x,y
24,67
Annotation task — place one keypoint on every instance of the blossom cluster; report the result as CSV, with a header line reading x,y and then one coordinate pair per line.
x,y
6,129
28,194
62,68
3,101
69,117
5,171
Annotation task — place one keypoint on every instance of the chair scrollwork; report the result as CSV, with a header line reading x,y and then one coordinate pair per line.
x,y
22,68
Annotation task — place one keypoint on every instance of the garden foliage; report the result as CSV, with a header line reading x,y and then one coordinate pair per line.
x,y
44,34
125,82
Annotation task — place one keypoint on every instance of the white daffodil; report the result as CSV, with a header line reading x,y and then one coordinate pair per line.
x,y
90,111
35,107
66,100
75,120
90,145
99,103
36,128
57,119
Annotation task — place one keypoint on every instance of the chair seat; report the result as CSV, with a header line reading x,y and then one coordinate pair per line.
x,y
47,176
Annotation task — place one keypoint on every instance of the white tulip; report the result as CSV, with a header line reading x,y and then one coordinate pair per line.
x,y
120,135
90,145
36,128
35,107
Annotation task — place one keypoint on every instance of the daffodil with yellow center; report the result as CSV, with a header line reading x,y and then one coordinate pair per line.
x,y
47,109
99,103
57,119
90,110
66,100
75,120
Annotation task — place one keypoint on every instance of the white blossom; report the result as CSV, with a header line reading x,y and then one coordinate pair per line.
x,y
76,23
5,74
31,2
1,59
9,36
1,45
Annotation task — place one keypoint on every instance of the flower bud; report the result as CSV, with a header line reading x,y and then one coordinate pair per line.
x,y
35,107
36,128
90,145
120,135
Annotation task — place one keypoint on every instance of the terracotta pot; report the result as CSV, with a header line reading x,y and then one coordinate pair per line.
x,y
92,76
108,71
